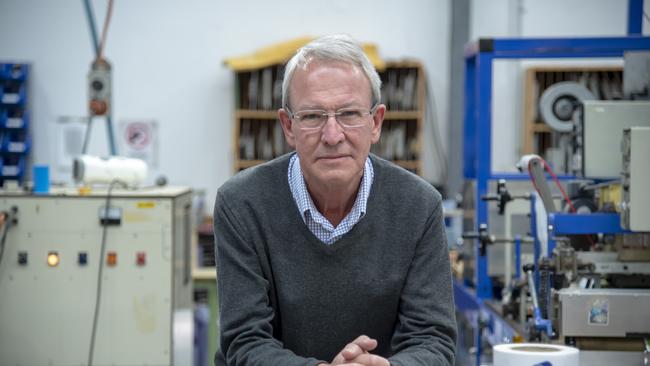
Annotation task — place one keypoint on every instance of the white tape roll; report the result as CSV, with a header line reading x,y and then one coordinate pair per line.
x,y
91,170
535,354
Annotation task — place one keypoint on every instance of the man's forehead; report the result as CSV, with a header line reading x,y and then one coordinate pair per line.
x,y
317,67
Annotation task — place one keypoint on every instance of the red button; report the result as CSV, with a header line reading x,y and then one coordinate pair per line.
x,y
111,259
141,258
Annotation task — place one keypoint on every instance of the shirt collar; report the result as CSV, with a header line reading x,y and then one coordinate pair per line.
x,y
306,204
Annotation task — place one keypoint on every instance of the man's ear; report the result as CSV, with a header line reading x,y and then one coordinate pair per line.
x,y
377,120
286,123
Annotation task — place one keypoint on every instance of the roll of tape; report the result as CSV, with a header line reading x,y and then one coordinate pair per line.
x,y
92,170
535,354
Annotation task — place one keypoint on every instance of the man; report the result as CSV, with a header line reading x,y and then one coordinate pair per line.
x,y
331,255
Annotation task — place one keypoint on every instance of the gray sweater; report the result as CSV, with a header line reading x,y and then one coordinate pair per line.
x,y
285,298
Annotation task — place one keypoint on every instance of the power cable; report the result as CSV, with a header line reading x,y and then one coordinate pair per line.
x,y
6,224
100,272
91,24
89,127
548,168
107,20
100,45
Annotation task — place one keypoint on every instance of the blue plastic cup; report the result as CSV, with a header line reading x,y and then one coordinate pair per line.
x,y
41,174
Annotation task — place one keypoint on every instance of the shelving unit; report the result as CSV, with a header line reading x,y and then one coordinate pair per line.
x,y
604,82
14,122
258,136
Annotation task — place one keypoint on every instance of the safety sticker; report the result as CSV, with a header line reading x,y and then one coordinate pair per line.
x,y
599,312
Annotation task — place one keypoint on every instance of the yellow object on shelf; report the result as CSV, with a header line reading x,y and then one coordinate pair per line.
x,y
281,52
611,194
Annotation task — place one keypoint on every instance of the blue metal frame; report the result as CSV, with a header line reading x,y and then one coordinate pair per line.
x,y
575,224
479,57
517,256
537,245
485,322
634,17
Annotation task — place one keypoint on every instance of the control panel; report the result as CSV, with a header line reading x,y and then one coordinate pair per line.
x,y
49,277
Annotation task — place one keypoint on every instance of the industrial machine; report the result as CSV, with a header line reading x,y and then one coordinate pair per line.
x,y
559,258
96,278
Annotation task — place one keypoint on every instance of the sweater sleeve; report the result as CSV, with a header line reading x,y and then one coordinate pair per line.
x,y
245,313
425,333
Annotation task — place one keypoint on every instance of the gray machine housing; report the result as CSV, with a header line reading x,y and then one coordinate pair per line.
x,y
604,312
46,312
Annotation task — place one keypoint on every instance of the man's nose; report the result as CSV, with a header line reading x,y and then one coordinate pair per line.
x,y
332,132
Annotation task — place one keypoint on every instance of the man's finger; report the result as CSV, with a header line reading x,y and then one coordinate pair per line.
x,y
352,350
365,342
369,359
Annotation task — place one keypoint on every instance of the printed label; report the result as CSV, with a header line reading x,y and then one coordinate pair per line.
x,y
599,312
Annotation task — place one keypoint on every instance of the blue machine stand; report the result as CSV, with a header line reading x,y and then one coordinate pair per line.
x,y
479,58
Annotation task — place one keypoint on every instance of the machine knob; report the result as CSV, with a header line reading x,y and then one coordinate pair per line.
x,y
529,267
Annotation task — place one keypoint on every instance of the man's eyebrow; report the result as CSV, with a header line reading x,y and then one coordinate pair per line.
x,y
315,107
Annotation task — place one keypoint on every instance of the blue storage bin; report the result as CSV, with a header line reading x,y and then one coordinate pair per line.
x,y
15,143
13,93
12,71
12,167
14,119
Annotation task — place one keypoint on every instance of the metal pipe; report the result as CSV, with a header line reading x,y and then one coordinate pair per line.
x,y
91,24
111,137
517,256
531,286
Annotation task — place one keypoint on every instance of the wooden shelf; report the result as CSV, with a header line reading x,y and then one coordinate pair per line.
x,y
255,114
204,273
541,127
408,164
403,64
578,69
244,164
257,135
396,115
263,114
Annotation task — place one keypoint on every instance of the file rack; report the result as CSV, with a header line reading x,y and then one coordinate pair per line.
x,y
15,141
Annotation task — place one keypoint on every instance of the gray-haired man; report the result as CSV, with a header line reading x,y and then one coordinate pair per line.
x,y
331,255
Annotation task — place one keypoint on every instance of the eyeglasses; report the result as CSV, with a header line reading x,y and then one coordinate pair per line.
x,y
315,119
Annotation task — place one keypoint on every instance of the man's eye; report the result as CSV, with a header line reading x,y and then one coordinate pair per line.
x,y
350,114
311,117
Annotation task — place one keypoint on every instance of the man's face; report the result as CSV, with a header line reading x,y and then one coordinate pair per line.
x,y
334,155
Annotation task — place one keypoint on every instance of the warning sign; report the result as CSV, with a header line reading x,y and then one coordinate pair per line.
x,y
139,139
138,135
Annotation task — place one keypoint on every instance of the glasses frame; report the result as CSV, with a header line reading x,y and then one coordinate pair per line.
x,y
327,115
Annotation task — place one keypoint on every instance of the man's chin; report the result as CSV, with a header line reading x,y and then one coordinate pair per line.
x,y
337,177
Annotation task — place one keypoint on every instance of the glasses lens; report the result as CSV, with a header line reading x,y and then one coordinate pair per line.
x,y
311,119
314,119
351,117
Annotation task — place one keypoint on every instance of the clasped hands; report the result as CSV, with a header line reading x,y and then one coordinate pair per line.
x,y
357,353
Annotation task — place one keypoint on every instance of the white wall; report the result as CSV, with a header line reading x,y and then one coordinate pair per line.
x,y
167,59
536,18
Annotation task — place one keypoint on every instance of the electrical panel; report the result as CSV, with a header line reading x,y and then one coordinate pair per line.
x,y
635,179
49,277
604,122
